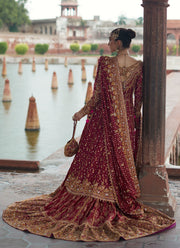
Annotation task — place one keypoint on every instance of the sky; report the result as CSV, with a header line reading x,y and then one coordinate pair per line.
x,y
107,10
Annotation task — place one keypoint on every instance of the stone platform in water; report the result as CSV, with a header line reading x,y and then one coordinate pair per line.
x,y
10,164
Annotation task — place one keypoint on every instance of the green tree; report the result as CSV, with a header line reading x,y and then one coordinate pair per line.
x,y
101,51
75,47
13,14
94,47
21,48
3,47
41,48
139,21
122,20
135,48
86,48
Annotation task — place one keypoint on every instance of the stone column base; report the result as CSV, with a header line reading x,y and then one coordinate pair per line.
x,y
155,189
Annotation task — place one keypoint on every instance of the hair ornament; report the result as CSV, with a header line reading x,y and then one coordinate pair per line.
x,y
115,34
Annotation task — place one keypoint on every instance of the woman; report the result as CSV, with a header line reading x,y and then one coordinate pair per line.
x,y
98,199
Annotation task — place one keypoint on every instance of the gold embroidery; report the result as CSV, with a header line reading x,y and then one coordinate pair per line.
x,y
107,225
78,187
118,102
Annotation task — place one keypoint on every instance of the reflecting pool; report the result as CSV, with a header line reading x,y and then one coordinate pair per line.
x,y
55,109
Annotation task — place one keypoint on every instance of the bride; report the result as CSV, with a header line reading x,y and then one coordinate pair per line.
x,y
98,200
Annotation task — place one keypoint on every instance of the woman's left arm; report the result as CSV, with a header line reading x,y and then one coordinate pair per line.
x,y
91,104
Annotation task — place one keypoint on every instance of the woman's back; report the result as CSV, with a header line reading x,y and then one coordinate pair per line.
x,y
126,61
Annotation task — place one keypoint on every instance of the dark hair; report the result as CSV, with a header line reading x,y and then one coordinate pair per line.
x,y
125,35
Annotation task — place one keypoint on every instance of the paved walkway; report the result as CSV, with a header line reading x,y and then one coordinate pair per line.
x,y
19,186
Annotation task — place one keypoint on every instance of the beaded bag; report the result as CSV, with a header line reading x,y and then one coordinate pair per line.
x,y
72,145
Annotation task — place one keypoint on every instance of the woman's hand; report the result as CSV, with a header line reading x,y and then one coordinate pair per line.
x,y
77,116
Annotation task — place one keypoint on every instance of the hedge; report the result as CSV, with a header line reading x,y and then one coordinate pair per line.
x,y
41,48
75,47
86,48
135,48
21,48
94,47
3,47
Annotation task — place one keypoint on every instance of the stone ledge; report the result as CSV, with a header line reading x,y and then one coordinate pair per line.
x,y
11,164
173,170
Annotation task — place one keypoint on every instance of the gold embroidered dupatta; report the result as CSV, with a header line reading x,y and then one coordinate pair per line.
x,y
119,152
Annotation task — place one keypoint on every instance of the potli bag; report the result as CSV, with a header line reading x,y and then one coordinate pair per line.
x,y
72,145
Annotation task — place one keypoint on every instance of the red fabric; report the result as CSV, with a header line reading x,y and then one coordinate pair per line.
x,y
117,134
104,148
98,198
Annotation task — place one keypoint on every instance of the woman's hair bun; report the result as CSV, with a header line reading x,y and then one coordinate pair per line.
x,y
131,33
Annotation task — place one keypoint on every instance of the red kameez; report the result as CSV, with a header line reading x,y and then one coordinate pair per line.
x,y
98,200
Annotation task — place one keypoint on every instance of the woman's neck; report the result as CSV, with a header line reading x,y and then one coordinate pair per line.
x,y
124,52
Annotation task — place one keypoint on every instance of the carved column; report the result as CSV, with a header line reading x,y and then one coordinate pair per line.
x,y
153,176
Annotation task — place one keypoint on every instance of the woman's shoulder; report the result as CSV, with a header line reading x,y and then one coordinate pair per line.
x,y
136,64
113,58
134,61
140,63
106,60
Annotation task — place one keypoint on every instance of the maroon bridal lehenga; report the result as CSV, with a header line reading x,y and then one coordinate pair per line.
x,y
98,200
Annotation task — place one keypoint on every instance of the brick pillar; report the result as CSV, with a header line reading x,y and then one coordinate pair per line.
x,y
153,176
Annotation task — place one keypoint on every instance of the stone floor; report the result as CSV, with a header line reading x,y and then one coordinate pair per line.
x,y
17,186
